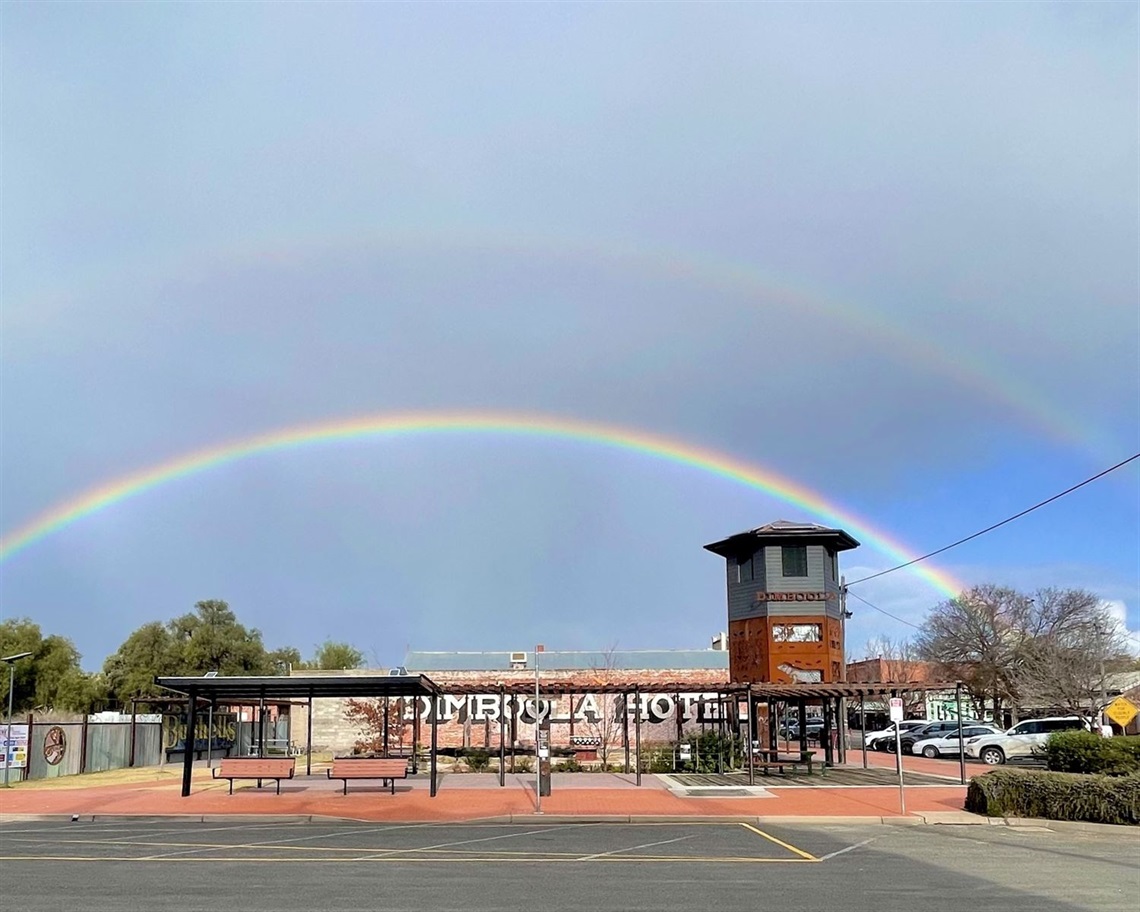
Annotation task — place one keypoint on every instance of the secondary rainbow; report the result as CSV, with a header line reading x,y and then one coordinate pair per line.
x,y
481,422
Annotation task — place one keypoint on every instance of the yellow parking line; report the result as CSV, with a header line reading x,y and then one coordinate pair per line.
x,y
629,859
807,856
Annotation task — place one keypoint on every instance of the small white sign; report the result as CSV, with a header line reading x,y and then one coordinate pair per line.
x,y
543,753
896,709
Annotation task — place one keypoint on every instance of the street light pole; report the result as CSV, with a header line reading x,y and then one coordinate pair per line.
x,y
537,730
11,660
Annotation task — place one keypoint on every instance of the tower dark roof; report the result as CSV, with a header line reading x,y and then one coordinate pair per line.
x,y
783,532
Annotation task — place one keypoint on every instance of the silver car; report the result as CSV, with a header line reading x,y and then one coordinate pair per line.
x,y
947,743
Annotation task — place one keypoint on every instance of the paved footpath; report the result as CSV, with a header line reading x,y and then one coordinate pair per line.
x,y
475,796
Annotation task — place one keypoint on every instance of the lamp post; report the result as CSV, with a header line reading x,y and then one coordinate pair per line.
x,y
537,735
11,660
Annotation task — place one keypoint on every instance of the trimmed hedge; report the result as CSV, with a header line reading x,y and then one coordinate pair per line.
x,y
1056,796
1085,752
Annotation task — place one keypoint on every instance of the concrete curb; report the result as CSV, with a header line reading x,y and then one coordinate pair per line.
x,y
940,818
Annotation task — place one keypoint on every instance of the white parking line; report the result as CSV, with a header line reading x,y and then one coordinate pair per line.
x,y
850,848
635,848
381,853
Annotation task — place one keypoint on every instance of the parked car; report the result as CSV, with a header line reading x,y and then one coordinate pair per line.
x,y
930,730
1021,740
872,736
791,730
947,743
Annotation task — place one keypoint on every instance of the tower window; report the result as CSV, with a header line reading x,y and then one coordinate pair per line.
x,y
795,560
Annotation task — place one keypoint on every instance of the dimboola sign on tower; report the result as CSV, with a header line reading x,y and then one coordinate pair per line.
x,y
785,605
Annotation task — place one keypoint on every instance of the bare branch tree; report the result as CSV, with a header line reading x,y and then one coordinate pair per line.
x,y
976,638
606,724
1063,666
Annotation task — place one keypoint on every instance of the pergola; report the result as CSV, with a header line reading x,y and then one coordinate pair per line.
x,y
237,690
257,690
832,697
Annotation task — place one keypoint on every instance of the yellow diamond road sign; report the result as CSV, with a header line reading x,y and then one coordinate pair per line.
x,y
1121,711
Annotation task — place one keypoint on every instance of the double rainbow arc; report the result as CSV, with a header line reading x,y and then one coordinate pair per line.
x,y
514,424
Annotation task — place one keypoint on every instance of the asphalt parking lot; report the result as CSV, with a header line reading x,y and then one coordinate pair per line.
x,y
110,865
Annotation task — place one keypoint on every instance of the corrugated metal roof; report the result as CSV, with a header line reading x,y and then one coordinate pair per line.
x,y
782,530
559,660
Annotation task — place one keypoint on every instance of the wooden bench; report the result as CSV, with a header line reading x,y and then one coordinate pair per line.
x,y
772,759
386,770
255,768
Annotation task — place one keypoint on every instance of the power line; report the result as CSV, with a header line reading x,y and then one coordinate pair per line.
x,y
882,611
997,525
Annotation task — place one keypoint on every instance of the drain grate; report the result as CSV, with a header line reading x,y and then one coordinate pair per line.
x,y
720,792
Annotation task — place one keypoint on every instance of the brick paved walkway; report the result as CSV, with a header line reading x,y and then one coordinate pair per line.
x,y
471,796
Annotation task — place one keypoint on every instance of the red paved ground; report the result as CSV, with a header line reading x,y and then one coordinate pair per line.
x,y
315,797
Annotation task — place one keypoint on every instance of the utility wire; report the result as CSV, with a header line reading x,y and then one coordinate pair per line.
x,y
996,525
882,611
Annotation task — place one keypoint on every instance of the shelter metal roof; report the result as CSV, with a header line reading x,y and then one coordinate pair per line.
x,y
791,692
569,660
238,689
782,532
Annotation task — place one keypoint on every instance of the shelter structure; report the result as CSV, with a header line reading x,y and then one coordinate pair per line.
x,y
212,691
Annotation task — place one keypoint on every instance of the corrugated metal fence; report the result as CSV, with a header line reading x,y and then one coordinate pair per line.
x,y
68,748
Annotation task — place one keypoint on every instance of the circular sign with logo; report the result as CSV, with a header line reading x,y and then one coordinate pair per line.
x,y
55,745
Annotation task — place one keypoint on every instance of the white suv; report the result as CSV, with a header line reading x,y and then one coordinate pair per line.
x,y
1019,741
909,725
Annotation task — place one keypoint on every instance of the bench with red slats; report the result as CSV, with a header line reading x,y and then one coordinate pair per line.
x,y
258,768
386,770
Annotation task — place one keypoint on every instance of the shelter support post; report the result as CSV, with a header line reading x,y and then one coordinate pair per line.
x,y
188,742
841,724
416,738
828,751
961,734
434,742
387,710
863,726
803,724
209,736
309,736
625,728
134,713
261,724
749,747
502,735
637,730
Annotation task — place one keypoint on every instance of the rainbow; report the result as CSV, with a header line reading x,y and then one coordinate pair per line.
x,y
481,422
889,335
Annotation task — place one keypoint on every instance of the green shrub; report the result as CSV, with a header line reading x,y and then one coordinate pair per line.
x,y
477,760
523,765
570,765
1085,752
1056,796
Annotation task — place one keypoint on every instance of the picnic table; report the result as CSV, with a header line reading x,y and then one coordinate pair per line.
x,y
778,758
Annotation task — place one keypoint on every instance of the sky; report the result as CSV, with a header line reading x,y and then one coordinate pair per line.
x,y
884,253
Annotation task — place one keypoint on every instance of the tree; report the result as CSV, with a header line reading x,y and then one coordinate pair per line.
x,y
331,656
1004,645
211,639
1068,666
283,660
146,654
369,718
607,723
51,677
975,638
